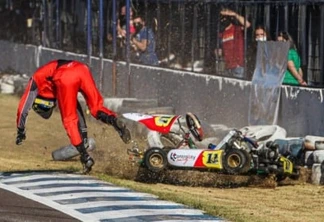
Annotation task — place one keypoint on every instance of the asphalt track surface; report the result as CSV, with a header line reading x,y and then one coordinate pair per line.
x,y
57,196
16,208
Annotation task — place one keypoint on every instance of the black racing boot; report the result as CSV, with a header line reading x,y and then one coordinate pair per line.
x,y
85,158
119,126
87,163
121,129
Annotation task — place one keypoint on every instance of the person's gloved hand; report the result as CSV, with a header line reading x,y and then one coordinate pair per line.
x,y
123,132
21,135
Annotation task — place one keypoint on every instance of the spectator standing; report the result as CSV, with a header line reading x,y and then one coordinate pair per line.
x,y
121,23
232,27
121,31
259,35
294,73
143,42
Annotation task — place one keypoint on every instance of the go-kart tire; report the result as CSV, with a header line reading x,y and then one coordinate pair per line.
x,y
155,159
236,161
69,151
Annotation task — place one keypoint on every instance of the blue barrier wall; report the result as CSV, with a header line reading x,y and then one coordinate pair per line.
x,y
214,99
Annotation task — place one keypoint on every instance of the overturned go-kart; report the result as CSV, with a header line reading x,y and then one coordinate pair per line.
x,y
235,154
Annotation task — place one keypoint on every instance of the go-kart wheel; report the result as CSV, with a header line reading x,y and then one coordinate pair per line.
x,y
155,159
236,161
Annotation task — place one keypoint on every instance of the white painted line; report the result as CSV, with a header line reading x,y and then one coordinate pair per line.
x,y
53,182
64,189
98,194
193,220
122,203
42,176
45,201
114,214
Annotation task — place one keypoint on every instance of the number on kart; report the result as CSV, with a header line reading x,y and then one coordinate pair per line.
x,y
163,120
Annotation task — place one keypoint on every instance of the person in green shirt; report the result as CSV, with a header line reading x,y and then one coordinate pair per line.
x,y
294,73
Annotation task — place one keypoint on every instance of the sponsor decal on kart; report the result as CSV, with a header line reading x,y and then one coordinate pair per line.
x,y
183,157
212,159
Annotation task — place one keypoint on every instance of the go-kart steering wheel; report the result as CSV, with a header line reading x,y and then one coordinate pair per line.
x,y
194,126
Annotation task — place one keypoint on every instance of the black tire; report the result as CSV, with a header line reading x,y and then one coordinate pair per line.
x,y
155,159
236,161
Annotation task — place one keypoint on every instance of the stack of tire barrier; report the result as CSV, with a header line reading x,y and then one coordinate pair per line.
x,y
314,158
13,84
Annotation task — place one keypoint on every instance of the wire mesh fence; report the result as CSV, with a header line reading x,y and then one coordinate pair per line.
x,y
187,35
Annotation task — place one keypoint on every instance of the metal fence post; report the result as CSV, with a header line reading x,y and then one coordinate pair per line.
x,y
101,43
194,37
128,44
170,27
89,32
302,38
45,20
114,39
58,24
321,46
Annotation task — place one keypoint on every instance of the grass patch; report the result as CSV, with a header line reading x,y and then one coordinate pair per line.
x,y
233,198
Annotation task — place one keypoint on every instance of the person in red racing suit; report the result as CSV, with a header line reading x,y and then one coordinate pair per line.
x,y
59,81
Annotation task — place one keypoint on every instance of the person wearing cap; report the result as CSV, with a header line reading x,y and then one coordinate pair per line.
x,y
59,82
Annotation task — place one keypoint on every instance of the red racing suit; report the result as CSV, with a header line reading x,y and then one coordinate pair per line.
x,y
62,80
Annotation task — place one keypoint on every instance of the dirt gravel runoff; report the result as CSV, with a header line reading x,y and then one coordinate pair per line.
x,y
237,198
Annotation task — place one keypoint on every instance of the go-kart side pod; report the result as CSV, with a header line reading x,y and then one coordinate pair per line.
x,y
236,161
155,159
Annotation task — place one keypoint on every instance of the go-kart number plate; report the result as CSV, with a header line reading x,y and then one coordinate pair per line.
x,y
163,121
213,159
287,165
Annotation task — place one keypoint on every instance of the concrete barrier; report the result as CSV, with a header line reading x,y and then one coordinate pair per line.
x,y
215,99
